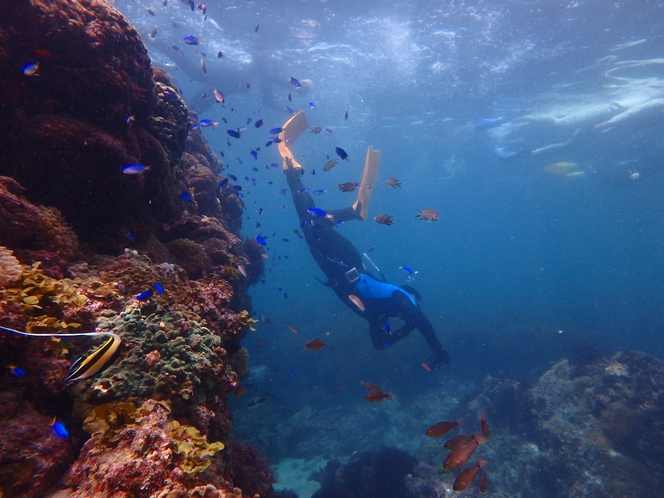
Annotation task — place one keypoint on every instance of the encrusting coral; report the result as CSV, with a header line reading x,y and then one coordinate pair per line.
x,y
10,268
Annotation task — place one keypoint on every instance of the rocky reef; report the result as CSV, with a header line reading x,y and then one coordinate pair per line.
x,y
155,258
590,426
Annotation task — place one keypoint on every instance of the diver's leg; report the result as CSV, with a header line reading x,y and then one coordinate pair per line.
x,y
301,199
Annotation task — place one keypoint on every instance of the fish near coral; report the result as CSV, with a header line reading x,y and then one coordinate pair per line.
x,y
442,428
315,345
377,395
428,214
383,219
484,482
466,477
460,455
484,426
457,441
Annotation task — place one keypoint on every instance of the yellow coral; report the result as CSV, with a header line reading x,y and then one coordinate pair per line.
x,y
34,291
194,446
246,320
10,268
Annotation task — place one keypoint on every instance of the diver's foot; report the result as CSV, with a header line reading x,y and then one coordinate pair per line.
x,y
357,209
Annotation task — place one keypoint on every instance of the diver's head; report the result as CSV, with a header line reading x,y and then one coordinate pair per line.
x,y
413,292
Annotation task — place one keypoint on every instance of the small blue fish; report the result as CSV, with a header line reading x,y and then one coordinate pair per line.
x,y
237,188
313,172
387,328
320,191
283,191
259,123
233,177
303,224
406,270
131,237
233,133
303,190
223,182
191,40
276,131
317,212
158,287
224,120
260,240
204,123
144,296
238,160
312,105
289,110
275,140
254,154
260,211
327,131
135,169
19,372
283,207
59,429
254,168
294,82
274,165
186,197
285,240
262,280
372,247
267,144
342,153
30,69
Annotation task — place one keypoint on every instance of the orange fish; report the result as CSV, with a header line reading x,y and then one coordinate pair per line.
x,y
377,395
460,455
484,426
442,428
484,482
426,367
261,345
291,328
357,302
466,477
315,345
457,441
370,385
337,390
239,391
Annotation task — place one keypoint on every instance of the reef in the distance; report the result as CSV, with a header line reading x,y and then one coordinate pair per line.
x,y
154,258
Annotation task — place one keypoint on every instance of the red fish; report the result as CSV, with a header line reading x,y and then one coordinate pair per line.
x,y
484,482
426,367
377,395
370,385
466,477
337,389
460,455
484,426
357,302
315,345
456,441
442,428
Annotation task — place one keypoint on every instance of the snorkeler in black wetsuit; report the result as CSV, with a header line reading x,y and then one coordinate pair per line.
x,y
342,263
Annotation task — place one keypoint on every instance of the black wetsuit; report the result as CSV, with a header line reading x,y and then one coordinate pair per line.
x,y
336,256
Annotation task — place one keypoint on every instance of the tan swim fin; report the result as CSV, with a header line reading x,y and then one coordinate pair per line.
x,y
371,164
292,129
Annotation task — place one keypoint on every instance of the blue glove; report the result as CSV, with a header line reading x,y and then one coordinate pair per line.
x,y
436,360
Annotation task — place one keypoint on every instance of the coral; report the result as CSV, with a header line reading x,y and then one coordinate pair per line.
x,y
249,469
193,447
189,255
33,457
10,268
45,300
56,235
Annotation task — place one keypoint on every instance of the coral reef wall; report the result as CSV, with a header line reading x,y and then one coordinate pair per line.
x,y
85,247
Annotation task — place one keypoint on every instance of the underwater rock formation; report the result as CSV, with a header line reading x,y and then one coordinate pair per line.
x,y
591,429
380,472
92,106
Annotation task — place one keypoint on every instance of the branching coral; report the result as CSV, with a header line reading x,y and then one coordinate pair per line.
x,y
10,268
